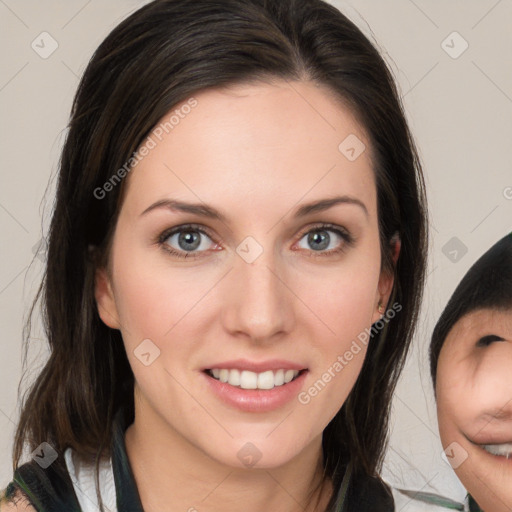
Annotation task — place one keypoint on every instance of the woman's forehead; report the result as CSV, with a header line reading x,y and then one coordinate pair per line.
x,y
264,141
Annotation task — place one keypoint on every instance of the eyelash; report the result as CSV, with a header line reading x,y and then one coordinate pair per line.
x,y
342,233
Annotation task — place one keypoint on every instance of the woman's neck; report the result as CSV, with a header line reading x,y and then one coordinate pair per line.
x,y
173,475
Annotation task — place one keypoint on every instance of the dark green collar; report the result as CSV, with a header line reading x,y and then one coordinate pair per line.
x,y
441,501
128,499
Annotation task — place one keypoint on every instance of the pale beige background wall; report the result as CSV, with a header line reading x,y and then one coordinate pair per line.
x,y
459,108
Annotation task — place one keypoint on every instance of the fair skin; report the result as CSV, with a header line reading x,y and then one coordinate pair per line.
x,y
256,153
474,403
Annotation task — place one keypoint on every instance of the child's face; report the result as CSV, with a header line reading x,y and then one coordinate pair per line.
x,y
254,287
474,403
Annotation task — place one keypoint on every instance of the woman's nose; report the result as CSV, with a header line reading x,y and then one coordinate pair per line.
x,y
258,301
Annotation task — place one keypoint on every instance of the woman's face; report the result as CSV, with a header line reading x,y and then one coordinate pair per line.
x,y
277,266
474,403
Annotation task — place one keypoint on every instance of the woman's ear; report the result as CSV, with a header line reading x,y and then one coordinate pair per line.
x,y
395,246
105,299
386,280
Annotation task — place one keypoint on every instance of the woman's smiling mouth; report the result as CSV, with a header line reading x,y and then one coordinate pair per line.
x,y
256,386
246,379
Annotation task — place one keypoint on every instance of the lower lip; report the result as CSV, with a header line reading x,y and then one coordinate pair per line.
x,y
256,400
498,458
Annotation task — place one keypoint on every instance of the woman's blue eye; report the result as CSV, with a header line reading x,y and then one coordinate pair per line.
x,y
187,241
321,239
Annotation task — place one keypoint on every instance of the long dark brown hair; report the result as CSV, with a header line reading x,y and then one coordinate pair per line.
x,y
156,58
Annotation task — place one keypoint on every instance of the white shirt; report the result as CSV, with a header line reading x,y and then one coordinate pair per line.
x,y
82,476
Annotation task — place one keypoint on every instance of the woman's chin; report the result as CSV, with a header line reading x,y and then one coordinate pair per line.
x,y
254,455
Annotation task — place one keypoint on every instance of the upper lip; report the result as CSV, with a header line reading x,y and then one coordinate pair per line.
x,y
256,366
480,440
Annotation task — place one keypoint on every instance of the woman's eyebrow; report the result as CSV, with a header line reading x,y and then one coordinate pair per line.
x,y
325,204
205,210
201,209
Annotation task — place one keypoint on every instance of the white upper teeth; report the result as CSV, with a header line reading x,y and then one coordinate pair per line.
x,y
503,450
251,380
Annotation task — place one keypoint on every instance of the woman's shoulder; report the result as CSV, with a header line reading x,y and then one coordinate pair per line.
x,y
364,493
372,494
37,488
12,499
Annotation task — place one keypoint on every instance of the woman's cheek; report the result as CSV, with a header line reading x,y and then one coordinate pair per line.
x,y
151,295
